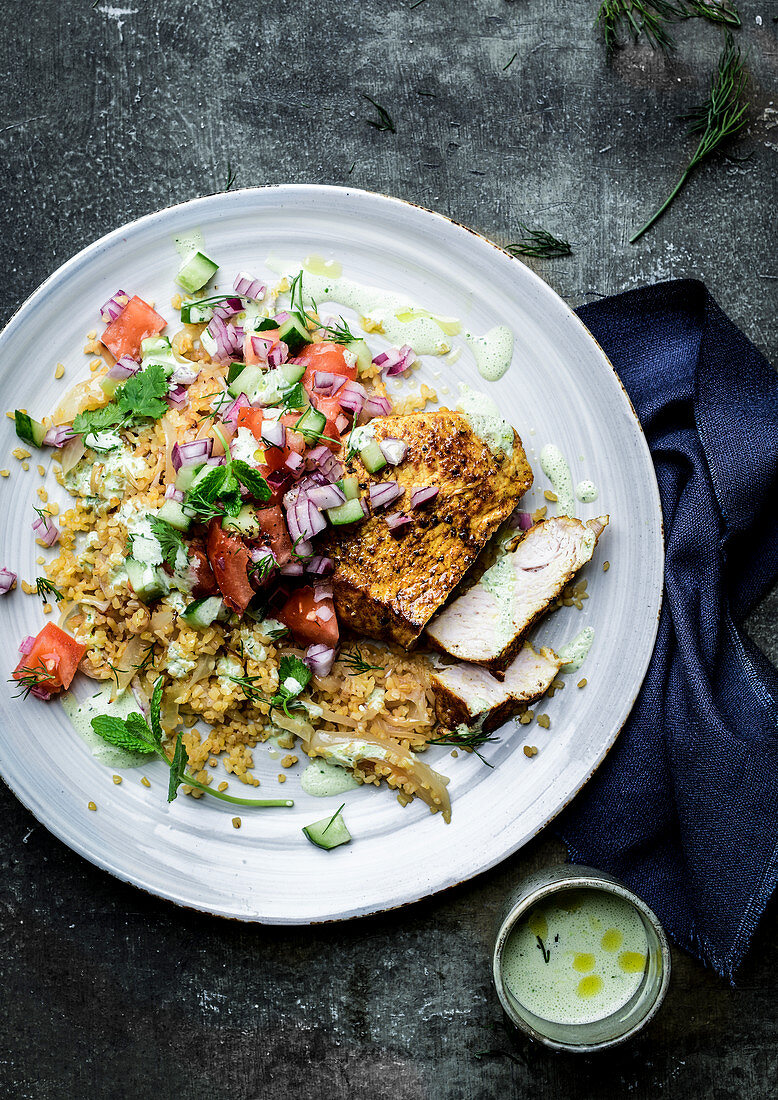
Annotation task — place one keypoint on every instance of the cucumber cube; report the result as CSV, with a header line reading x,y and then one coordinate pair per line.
x,y
196,271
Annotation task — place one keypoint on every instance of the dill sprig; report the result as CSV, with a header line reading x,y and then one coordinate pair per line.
x,y
232,177
721,116
46,589
538,243
31,678
384,120
357,663
473,740
339,332
651,18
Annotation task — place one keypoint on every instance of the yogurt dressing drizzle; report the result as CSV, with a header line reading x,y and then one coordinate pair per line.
x,y
484,418
557,471
574,653
81,715
322,779
401,320
493,352
587,492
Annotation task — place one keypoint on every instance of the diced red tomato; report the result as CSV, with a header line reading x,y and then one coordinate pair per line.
x,y
229,560
326,357
135,322
204,582
310,621
276,535
250,356
275,457
53,659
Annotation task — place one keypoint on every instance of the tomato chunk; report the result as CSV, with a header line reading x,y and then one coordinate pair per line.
x,y
275,534
330,358
275,457
52,661
249,354
135,322
204,582
311,621
229,560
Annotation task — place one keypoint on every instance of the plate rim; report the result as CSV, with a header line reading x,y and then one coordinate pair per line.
x,y
73,840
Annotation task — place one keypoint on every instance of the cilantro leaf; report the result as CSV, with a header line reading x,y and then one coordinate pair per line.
x,y
252,479
91,421
297,669
118,732
178,766
170,540
143,394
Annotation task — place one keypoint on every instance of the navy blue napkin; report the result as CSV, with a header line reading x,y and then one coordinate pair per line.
x,y
685,807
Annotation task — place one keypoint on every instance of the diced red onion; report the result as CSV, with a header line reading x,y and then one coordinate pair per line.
x,y
261,347
282,316
341,423
40,693
227,338
421,496
278,354
303,519
228,308
177,397
326,383
191,453
123,368
376,406
260,553
230,414
273,433
397,520
353,396
326,496
183,376
393,450
320,566
521,520
113,307
58,437
7,581
384,492
216,460
322,592
171,493
46,530
248,287
292,569
26,644
295,463
278,479
324,460
396,360
324,614
303,550
320,659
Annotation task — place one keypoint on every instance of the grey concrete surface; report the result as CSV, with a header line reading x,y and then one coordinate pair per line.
x,y
112,111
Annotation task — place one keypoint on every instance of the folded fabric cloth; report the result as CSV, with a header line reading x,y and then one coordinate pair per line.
x,y
685,807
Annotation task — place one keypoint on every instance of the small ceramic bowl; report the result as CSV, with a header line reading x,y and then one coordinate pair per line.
x,y
621,1024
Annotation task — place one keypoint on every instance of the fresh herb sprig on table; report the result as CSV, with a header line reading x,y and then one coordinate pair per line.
x,y
134,734
473,739
652,18
384,122
218,494
141,397
721,116
538,243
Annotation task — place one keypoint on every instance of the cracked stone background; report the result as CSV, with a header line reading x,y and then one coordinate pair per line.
x,y
112,111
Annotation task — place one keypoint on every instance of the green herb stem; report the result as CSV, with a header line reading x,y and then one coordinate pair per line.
x,y
233,799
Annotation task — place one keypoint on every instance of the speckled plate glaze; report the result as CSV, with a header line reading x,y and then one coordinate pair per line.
x,y
559,389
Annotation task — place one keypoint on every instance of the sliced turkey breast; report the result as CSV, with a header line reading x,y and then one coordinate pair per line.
x,y
468,694
487,624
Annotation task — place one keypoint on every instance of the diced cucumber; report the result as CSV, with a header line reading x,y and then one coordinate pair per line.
x,y
311,423
363,353
372,457
186,475
247,381
147,582
195,313
31,431
350,512
294,334
173,513
203,612
295,397
233,371
201,473
328,833
292,372
245,522
153,346
349,486
265,324
195,272
109,386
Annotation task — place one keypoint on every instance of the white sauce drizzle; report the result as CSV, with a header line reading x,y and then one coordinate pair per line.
x,y
493,352
574,653
557,471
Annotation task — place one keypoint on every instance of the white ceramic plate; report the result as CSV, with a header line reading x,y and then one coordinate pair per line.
x,y
560,388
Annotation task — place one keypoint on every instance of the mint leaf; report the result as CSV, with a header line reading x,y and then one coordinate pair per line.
x,y
143,394
154,713
178,766
252,479
117,731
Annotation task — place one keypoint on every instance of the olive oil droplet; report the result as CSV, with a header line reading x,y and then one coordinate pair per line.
x,y
632,961
590,986
584,961
612,940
